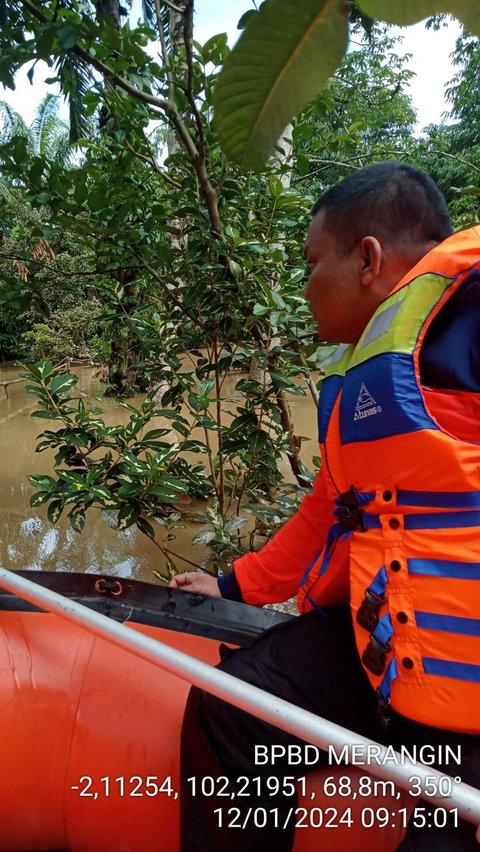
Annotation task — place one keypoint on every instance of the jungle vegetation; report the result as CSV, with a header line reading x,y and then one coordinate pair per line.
x,y
131,240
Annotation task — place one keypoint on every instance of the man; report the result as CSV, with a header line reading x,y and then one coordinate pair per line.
x,y
386,549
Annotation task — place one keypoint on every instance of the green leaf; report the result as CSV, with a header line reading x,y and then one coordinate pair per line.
x,y
278,300
54,511
195,447
234,524
173,483
43,197
62,382
235,269
40,392
286,54
169,495
154,434
43,445
403,12
204,537
260,310
204,420
276,186
68,35
206,387
81,191
127,516
39,480
195,403
245,18
46,415
146,528
281,381
45,40
73,478
39,498
33,370
77,519
102,493
215,49
303,164
96,201
36,169
45,368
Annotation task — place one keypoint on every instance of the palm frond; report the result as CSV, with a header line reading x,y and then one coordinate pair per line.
x,y
11,123
62,154
149,14
47,125
5,190
76,79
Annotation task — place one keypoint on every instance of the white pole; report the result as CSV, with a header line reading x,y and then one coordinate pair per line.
x,y
276,711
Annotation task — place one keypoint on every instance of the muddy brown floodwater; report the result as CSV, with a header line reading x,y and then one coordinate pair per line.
x,y
29,541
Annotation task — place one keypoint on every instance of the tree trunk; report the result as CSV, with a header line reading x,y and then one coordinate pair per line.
x,y
123,376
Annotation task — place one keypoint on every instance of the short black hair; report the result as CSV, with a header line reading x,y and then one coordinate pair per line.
x,y
390,200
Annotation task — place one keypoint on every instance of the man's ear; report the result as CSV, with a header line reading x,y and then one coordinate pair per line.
x,y
371,254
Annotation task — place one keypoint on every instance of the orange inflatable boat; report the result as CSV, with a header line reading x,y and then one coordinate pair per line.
x,y
89,750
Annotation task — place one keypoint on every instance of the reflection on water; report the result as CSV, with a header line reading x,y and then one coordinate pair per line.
x,y
29,541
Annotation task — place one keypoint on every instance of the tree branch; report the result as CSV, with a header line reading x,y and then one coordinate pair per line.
x,y
187,40
440,154
173,7
327,164
100,66
167,106
167,290
70,274
151,162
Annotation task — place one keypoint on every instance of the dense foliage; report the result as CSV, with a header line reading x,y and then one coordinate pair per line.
x,y
142,246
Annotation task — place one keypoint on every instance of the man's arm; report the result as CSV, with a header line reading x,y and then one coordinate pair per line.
x,y
274,573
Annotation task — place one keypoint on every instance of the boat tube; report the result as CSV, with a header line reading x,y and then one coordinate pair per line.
x,y
90,749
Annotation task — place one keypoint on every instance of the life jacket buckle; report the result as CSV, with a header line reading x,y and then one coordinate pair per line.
x,y
348,512
367,615
374,657
384,709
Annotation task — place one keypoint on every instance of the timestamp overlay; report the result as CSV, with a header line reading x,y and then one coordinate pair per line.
x,y
236,812
331,800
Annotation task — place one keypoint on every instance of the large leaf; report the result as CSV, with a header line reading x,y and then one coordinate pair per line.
x,y
63,382
404,12
286,54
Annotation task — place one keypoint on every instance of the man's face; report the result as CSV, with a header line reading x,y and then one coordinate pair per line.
x,y
334,288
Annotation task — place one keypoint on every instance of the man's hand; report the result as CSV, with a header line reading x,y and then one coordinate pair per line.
x,y
196,581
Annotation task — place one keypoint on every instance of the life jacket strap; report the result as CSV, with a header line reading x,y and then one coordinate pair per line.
x,y
384,690
349,511
375,597
374,657
349,518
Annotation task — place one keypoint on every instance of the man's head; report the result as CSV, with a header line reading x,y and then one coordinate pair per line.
x,y
367,232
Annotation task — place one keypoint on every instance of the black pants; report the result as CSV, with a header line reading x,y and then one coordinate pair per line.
x,y
311,661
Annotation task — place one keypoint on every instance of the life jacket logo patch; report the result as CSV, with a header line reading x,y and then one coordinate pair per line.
x,y
366,404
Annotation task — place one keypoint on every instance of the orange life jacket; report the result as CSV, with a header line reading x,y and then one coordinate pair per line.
x,y
407,495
